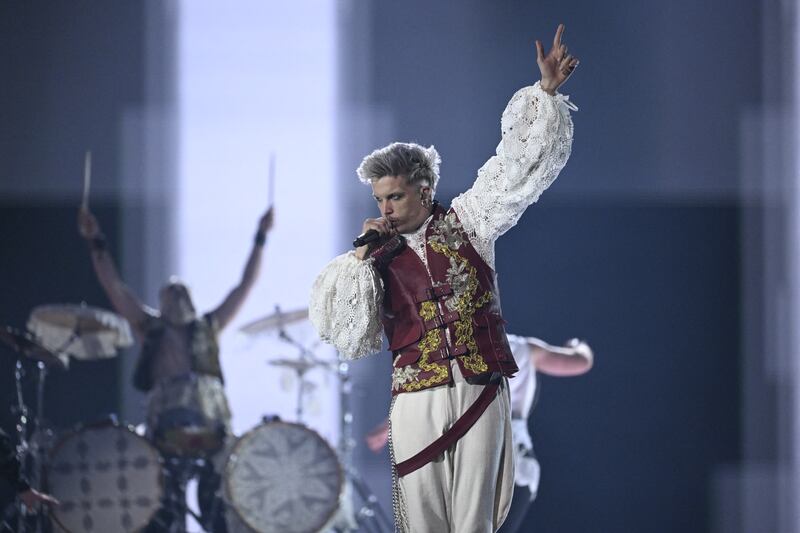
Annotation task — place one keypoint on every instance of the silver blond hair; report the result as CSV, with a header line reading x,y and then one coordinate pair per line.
x,y
417,164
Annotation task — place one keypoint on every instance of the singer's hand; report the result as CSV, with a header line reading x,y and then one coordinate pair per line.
x,y
381,225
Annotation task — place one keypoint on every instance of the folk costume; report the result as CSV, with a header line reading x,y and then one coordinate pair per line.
x,y
434,294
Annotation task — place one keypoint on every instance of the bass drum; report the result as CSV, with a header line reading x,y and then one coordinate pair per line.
x,y
107,478
283,478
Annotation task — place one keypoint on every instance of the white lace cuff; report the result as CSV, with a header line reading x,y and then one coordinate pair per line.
x,y
345,306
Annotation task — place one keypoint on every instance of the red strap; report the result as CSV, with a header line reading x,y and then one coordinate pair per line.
x,y
447,352
440,321
451,436
433,293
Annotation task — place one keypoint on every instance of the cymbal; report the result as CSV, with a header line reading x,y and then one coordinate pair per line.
x,y
302,365
276,320
26,344
81,331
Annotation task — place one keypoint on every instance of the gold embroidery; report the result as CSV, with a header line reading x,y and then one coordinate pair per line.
x,y
428,344
466,304
447,238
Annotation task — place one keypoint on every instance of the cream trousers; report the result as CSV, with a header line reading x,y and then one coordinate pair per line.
x,y
468,489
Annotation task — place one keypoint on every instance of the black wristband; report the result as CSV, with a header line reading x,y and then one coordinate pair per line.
x,y
261,238
98,243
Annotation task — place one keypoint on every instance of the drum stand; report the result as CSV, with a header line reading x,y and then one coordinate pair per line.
x,y
29,453
370,517
171,518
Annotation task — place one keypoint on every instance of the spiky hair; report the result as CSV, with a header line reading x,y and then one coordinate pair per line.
x,y
415,163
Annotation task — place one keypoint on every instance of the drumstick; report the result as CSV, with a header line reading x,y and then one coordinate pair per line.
x,y
271,180
87,179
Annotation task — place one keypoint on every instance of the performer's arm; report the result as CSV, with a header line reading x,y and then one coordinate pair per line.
x,y
345,306
125,302
378,437
233,302
536,142
574,359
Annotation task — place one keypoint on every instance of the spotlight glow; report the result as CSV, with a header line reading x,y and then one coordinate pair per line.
x,y
257,78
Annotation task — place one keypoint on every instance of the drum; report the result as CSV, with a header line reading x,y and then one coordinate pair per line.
x,y
107,478
283,477
188,415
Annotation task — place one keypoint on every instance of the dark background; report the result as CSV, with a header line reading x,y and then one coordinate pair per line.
x,y
637,247
69,71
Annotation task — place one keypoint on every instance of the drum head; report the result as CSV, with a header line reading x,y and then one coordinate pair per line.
x,y
283,477
107,477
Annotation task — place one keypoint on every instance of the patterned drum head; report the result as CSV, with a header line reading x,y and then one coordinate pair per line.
x,y
283,477
108,479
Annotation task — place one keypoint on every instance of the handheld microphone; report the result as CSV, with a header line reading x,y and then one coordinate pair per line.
x,y
371,235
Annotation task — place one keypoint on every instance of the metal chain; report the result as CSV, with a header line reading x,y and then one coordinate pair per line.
x,y
398,502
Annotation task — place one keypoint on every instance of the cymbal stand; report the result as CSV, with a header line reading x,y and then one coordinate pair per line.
x,y
29,454
300,391
305,354
23,447
37,422
30,449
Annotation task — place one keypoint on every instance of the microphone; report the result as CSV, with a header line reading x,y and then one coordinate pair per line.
x,y
371,235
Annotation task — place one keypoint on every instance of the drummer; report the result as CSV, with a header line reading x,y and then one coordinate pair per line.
x,y
179,361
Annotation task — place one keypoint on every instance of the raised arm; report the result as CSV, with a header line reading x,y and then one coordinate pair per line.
x,y
124,301
536,142
227,310
574,359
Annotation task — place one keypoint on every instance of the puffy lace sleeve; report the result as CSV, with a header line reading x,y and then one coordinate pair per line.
x,y
536,143
345,306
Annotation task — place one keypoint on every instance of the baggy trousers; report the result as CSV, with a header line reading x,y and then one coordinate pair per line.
x,y
469,488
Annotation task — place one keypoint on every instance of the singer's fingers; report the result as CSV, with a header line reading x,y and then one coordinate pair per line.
x,y
390,227
381,225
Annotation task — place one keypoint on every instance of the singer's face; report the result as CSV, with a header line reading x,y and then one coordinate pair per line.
x,y
401,203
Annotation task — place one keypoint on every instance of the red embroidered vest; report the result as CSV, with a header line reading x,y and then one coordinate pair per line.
x,y
460,296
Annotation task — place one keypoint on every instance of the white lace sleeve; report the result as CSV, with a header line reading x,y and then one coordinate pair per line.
x,y
536,143
345,306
